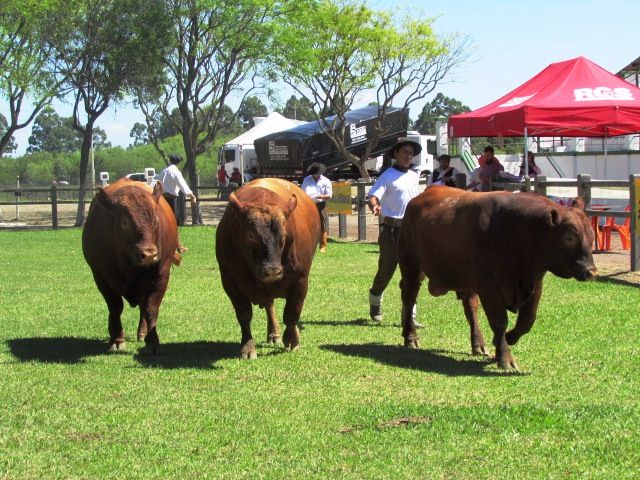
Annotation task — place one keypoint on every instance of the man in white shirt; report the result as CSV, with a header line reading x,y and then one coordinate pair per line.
x,y
172,183
389,197
319,188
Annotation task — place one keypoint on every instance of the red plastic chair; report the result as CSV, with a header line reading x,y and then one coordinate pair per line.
x,y
598,230
622,229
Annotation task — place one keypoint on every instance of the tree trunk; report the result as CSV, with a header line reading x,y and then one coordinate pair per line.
x,y
196,212
360,162
85,150
364,174
6,138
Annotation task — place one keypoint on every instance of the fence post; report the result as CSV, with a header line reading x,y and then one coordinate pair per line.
x,y
362,212
584,189
634,193
342,225
540,185
54,207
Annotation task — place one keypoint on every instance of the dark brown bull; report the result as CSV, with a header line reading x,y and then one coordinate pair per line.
x,y
265,243
129,241
496,246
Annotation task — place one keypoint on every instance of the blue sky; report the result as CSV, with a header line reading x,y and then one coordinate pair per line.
x,y
511,40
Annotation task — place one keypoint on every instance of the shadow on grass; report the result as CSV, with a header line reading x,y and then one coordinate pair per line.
x,y
341,323
56,350
70,350
425,360
612,278
202,355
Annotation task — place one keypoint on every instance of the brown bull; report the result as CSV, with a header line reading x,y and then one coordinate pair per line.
x,y
265,244
493,246
129,241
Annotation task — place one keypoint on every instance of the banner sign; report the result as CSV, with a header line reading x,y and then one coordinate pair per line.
x,y
341,200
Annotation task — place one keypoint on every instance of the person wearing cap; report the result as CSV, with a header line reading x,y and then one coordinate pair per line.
x,y
318,187
236,177
489,166
388,198
445,174
172,183
534,170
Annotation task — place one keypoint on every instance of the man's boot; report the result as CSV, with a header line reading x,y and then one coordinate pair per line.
x,y
375,307
323,242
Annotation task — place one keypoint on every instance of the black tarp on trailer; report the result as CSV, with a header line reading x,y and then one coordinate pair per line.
x,y
289,153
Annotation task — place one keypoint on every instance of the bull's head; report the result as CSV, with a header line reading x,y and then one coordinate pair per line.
x,y
569,251
263,232
134,222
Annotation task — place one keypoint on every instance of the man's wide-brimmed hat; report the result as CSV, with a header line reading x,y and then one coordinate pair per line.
x,y
316,168
417,148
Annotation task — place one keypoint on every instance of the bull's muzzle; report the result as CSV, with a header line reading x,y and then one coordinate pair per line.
x,y
146,256
591,274
270,273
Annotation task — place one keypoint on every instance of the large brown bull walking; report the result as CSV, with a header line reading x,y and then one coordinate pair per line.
x,y
493,246
265,243
129,241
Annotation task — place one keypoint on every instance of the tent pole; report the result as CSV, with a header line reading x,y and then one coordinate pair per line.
x,y
526,154
241,165
605,152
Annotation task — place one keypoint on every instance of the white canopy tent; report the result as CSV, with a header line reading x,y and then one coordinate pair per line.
x,y
272,123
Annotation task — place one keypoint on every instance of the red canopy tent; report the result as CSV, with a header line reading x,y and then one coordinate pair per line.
x,y
574,98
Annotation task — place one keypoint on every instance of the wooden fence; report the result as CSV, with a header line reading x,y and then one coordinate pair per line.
x,y
212,201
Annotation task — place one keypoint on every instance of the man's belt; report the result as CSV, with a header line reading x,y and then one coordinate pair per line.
x,y
392,222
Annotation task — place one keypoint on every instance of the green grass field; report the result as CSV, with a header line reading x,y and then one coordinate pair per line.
x,y
352,403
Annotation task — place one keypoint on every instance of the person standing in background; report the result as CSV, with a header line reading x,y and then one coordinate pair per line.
x,y
319,188
445,174
172,184
534,170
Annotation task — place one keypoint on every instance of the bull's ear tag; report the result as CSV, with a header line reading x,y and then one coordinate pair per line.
x,y
554,218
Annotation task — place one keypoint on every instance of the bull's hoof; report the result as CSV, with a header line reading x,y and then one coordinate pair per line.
x,y
292,347
250,355
291,338
142,336
116,346
480,350
273,338
412,342
248,351
508,365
